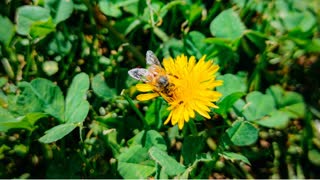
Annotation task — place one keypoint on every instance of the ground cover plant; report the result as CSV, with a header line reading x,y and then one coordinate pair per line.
x,y
159,89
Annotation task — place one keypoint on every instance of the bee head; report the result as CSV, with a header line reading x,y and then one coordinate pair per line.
x,y
163,80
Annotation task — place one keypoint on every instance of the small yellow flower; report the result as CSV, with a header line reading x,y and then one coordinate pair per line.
x,y
188,87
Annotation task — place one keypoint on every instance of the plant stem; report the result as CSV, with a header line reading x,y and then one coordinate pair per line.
x,y
28,59
133,106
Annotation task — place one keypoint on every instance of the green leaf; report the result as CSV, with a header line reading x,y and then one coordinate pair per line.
x,y
109,9
149,139
48,97
293,102
302,21
192,12
60,44
227,25
192,146
77,107
313,46
151,114
277,119
314,156
170,165
135,163
156,112
27,101
57,132
3,81
100,87
127,25
21,149
27,121
172,47
41,29
231,84
290,102
60,10
228,102
32,118
6,116
27,15
79,114
242,133
257,38
257,105
194,43
7,31
234,157
222,53
133,7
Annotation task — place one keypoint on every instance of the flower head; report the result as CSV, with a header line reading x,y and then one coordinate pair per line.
x,y
188,89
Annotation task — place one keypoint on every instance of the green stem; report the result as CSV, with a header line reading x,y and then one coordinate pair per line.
x,y
158,113
133,106
28,59
80,132
7,67
255,79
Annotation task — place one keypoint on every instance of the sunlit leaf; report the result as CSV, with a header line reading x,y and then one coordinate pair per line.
x,y
277,119
235,157
290,102
6,116
60,10
242,133
170,165
77,107
227,25
21,149
46,95
57,132
231,84
109,9
27,15
256,106
41,29
8,121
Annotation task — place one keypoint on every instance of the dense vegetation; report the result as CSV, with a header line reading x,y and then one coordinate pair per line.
x,y
68,108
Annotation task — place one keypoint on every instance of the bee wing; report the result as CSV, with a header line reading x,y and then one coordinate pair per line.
x,y
152,59
139,73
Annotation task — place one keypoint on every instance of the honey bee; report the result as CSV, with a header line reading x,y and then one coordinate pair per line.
x,y
154,74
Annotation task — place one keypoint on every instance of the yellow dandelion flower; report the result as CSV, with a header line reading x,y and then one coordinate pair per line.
x,y
187,86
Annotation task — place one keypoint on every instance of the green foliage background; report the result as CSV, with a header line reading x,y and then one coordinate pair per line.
x,y
67,107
